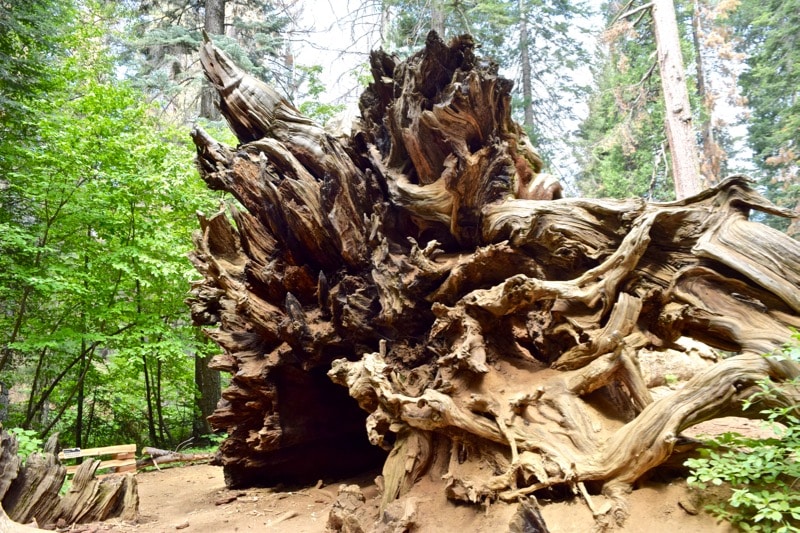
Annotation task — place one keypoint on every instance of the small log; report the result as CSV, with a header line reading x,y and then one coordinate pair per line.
x,y
159,456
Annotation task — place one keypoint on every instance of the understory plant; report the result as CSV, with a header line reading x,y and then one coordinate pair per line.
x,y
28,441
762,474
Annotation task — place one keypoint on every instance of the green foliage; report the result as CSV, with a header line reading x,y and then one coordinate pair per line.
x,y
622,143
30,33
163,38
762,473
312,106
28,441
768,36
96,217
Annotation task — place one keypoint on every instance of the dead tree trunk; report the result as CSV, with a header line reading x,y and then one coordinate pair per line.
x,y
495,335
30,492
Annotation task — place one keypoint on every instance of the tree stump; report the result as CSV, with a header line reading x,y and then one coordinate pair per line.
x,y
495,335
30,492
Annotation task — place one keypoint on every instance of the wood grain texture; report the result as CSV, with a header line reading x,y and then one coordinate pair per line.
x,y
488,332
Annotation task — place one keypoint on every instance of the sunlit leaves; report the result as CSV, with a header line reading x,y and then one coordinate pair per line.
x,y
96,217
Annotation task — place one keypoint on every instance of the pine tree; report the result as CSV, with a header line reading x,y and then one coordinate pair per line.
x,y
163,55
622,148
768,36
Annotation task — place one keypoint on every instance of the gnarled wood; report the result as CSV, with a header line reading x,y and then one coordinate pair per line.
x,y
33,491
496,336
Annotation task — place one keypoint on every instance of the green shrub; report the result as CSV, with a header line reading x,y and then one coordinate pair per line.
x,y
763,474
28,440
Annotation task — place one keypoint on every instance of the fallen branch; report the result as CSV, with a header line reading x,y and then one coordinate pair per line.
x,y
159,456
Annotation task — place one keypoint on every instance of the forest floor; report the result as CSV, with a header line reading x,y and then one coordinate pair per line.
x,y
194,499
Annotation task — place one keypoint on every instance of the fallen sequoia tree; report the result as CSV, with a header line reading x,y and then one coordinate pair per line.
x,y
499,339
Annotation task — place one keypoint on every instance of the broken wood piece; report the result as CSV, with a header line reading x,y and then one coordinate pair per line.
x,y
159,456
34,492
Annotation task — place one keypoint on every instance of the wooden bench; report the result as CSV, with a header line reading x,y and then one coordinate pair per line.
x,y
113,459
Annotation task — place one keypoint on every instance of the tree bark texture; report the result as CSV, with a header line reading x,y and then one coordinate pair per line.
x,y
208,389
498,337
213,24
30,492
680,133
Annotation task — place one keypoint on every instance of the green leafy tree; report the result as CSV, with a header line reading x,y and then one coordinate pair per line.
x,y
762,473
96,219
312,106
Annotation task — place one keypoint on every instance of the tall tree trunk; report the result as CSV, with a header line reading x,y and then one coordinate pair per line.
x,y
44,397
29,412
148,392
385,21
213,24
525,61
5,400
438,17
207,389
85,361
680,134
79,414
711,163
7,351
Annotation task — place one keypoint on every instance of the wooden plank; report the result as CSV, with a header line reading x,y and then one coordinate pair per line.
x,y
129,455
72,453
122,457
113,463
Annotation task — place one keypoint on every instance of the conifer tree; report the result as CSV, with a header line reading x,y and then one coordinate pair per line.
x,y
768,36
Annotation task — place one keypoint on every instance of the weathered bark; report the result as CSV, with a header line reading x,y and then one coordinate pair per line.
x,y
9,462
499,337
213,24
208,387
712,155
30,492
680,133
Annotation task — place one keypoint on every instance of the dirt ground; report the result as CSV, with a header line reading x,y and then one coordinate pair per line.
x,y
194,499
